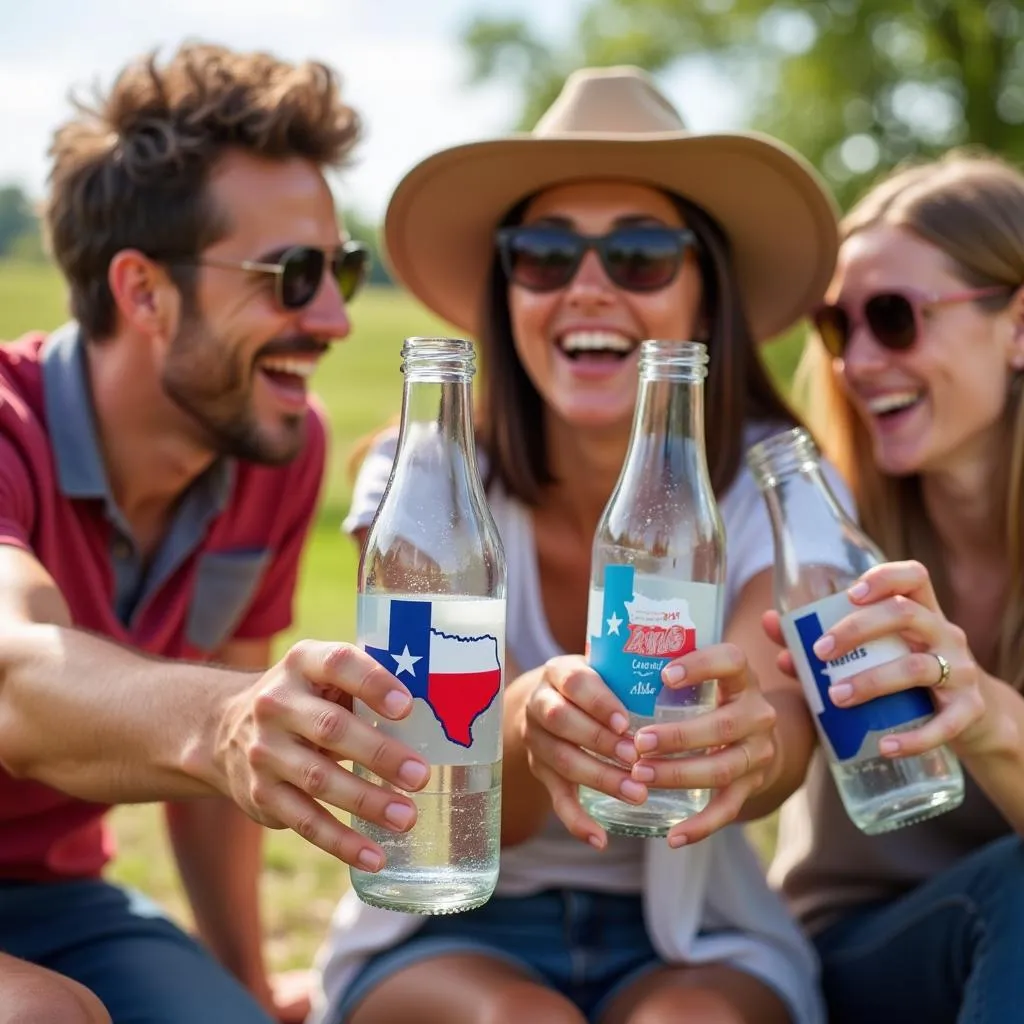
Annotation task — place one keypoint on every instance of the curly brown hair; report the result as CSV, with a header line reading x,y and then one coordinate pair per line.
x,y
129,171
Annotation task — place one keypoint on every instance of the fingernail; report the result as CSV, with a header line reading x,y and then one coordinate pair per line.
x,y
645,742
632,790
399,815
396,702
370,861
890,745
825,646
859,590
643,773
596,842
676,841
673,674
625,751
413,773
620,723
840,693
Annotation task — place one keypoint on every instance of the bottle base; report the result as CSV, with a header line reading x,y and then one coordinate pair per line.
x,y
655,818
431,893
916,805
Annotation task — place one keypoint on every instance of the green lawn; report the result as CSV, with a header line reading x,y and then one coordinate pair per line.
x,y
361,386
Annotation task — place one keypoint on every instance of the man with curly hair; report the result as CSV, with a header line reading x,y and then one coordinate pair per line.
x,y
160,464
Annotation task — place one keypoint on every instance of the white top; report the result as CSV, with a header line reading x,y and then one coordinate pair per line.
x,y
716,884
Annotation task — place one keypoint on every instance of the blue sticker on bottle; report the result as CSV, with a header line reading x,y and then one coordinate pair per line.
x,y
851,732
636,625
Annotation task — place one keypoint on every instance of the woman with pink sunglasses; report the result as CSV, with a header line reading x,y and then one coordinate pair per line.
x,y
916,380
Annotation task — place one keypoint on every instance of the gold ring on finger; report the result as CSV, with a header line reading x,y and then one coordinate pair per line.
x,y
943,670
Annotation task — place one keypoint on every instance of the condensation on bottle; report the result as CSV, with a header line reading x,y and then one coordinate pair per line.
x,y
657,573
820,551
431,610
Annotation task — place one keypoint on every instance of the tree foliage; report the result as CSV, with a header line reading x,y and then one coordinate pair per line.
x,y
856,85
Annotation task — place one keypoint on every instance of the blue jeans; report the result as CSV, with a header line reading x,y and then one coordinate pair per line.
x,y
586,945
144,968
951,950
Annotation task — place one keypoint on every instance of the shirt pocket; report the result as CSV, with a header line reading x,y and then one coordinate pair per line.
x,y
226,583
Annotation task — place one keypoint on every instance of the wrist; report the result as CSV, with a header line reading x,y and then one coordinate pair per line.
x,y
205,747
997,734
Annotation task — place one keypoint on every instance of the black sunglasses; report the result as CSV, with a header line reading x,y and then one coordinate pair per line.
x,y
300,271
545,257
895,318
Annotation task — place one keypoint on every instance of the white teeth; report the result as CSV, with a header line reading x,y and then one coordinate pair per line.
x,y
298,367
595,341
893,401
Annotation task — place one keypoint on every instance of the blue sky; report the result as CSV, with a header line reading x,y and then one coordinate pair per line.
x,y
400,61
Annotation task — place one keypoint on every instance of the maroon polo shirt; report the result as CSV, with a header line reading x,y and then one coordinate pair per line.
x,y
226,569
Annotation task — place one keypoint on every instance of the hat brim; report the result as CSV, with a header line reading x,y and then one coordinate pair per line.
x,y
780,219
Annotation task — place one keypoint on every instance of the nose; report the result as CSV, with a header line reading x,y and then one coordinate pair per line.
x,y
863,356
326,317
590,284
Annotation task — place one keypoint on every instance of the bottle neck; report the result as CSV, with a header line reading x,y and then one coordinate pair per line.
x,y
437,405
819,549
669,421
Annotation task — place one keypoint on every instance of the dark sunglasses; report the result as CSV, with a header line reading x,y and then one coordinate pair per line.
x,y
544,258
300,271
895,318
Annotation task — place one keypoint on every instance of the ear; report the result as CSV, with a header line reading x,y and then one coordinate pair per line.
x,y
145,296
1015,314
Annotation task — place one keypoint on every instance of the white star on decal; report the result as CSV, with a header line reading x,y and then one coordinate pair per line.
x,y
404,662
613,624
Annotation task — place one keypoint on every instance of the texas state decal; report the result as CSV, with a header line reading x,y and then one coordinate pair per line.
x,y
450,655
637,625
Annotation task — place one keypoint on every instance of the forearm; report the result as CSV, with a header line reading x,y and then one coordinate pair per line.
x,y
103,723
998,768
218,851
795,740
524,801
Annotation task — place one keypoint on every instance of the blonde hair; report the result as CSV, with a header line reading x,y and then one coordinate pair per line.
x,y
971,206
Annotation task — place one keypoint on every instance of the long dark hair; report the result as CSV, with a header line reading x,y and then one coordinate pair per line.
x,y
510,415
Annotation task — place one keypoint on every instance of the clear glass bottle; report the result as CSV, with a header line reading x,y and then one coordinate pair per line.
x,y
431,609
657,574
819,552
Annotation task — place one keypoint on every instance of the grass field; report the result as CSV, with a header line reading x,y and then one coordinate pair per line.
x,y
360,384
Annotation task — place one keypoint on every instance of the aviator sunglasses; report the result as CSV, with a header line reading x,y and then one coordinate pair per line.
x,y
895,318
545,257
299,270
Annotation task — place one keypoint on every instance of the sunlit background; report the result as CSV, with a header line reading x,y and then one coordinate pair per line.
x,y
856,85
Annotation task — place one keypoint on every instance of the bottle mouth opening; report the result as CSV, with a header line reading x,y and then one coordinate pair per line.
x,y
673,360
444,359
782,454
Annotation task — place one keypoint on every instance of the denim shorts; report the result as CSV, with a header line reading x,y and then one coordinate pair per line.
x,y
120,945
588,946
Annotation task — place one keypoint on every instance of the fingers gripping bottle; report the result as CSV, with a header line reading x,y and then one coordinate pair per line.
x,y
657,572
819,553
431,610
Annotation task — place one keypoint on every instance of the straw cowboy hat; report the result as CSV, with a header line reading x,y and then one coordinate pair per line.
x,y
614,123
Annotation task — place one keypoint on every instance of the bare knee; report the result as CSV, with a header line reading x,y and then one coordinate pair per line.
x,y
31,1000
526,1002
693,1005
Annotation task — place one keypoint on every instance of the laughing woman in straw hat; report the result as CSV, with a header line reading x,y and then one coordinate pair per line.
x,y
727,238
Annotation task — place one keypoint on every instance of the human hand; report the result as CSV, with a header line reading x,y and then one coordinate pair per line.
x,y
898,598
292,996
729,749
570,717
278,745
